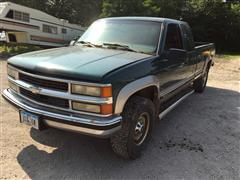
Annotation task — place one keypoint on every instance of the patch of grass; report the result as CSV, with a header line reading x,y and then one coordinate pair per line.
x,y
14,49
228,56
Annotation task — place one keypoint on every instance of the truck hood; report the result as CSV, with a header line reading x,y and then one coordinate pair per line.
x,y
76,62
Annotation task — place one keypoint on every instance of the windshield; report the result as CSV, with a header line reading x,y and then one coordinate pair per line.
x,y
140,36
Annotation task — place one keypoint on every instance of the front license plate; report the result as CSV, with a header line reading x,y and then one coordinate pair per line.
x,y
29,119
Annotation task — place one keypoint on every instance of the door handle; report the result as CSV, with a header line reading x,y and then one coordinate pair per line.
x,y
165,60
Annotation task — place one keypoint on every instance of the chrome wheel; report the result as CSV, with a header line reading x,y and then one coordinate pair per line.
x,y
141,128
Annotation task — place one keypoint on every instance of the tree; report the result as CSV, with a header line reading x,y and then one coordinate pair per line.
x,y
36,4
211,20
76,11
163,8
214,21
121,8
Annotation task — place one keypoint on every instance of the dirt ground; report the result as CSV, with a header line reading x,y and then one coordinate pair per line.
x,y
200,139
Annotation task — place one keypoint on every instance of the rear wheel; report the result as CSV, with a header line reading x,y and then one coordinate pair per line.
x,y
138,118
199,84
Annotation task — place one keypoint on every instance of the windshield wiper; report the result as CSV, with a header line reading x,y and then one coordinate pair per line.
x,y
110,46
121,46
89,44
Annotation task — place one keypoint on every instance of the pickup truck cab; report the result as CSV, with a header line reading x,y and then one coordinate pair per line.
x,y
114,82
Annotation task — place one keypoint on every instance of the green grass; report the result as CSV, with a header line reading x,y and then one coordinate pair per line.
x,y
14,49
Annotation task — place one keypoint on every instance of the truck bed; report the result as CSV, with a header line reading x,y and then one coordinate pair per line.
x,y
200,45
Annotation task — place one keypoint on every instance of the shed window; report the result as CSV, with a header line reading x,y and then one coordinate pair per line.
x,y
25,17
49,29
17,15
10,14
64,31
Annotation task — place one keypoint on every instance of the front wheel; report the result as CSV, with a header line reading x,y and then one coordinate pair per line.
x,y
138,118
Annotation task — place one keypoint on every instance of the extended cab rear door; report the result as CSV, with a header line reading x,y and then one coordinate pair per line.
x,y
174,59
189,46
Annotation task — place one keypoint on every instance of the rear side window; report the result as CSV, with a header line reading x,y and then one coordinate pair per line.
x,y
188,37
173,38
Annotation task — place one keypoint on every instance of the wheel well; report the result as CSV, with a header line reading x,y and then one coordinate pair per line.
x,y
150,92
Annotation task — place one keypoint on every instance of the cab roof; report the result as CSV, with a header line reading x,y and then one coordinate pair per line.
x,y
156,19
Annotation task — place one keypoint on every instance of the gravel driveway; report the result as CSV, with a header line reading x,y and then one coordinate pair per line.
x,y
200,139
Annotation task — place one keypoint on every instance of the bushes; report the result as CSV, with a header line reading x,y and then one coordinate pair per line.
x,y
14,49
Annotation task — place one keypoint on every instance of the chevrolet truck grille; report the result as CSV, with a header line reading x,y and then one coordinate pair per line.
x,y
53,92
62,103
55,85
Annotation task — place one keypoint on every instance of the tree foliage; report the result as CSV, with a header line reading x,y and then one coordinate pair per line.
x,y
211,20
76,11
216,22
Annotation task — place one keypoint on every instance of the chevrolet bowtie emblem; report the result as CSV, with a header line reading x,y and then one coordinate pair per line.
x,y
35,90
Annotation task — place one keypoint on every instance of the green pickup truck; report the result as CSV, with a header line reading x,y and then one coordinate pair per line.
x,y
113,82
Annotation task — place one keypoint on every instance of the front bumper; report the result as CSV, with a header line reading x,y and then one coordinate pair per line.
x,y
102,127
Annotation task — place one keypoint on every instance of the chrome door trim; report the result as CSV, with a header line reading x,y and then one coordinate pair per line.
x,y
175,86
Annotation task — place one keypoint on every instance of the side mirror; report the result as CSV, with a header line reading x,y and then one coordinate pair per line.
x,y
72,42
176,54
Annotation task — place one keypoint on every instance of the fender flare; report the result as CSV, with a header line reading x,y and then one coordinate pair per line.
x,y
127,91
208,59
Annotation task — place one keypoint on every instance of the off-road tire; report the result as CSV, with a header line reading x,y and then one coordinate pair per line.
x,y
122,142
199,84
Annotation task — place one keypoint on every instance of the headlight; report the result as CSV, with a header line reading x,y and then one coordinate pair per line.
x,y
13,86
12,73
92,91
104,109
86,107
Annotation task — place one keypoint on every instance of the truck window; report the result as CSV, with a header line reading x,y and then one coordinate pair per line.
x,y
188,37
173,38
139,35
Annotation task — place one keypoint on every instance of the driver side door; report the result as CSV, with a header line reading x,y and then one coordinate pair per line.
x,y
174,62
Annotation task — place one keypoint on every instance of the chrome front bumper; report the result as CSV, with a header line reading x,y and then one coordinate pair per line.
x,y
102,127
